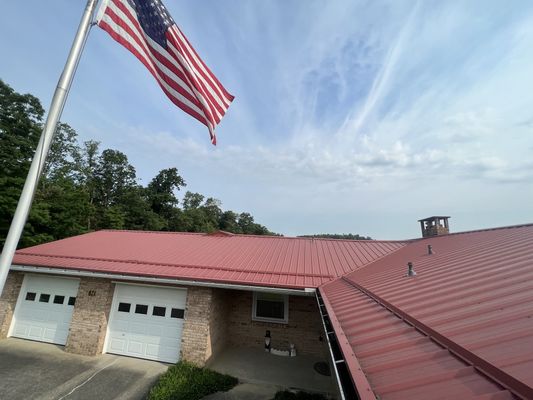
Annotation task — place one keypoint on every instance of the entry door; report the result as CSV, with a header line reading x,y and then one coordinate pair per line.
x,y
44,309
146,322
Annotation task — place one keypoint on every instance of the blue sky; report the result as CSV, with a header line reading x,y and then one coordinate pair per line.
x,y
349,116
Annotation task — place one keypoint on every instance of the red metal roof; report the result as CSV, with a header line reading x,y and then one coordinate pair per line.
x,y
470,304
242,259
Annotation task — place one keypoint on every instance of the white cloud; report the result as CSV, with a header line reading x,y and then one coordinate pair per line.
x,y
346,113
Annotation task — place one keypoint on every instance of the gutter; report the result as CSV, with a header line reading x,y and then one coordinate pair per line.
x,y
168,281
351,380
332,355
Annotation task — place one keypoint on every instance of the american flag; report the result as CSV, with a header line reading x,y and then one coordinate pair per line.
x,y
146,29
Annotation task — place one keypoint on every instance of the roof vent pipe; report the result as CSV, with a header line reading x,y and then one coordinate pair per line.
x,y
430,249
410,270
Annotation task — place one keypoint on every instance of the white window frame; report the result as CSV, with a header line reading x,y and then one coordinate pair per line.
x,y
274,320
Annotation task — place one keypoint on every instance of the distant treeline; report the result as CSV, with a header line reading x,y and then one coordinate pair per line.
x,y
84,189
349,236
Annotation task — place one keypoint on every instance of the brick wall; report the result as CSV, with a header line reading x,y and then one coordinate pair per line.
x,y
90,317
196,325
303,329
205,325
8,300
218,322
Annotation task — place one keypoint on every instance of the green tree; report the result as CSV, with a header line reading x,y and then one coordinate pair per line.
x,y
86,177
213,212
64,156
161,191
192,200
137,212
20,127
228,222
113,177
82,189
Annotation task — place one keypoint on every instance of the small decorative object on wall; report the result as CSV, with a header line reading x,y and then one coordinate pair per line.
x,y
292,350
267,341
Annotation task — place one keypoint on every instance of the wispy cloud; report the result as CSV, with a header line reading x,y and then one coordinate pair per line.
x,y
345,111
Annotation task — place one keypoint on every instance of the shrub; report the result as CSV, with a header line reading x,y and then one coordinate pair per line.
x,y
185,381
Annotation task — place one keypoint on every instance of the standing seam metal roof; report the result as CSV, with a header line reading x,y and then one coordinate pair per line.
x,y
239,259
471,302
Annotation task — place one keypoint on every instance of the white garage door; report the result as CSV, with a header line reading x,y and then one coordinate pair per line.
x,y
146,322
44,309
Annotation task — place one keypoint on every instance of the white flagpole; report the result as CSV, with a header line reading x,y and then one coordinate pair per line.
x,y
56,107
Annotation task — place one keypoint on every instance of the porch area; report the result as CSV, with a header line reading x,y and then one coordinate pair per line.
x,y
254,365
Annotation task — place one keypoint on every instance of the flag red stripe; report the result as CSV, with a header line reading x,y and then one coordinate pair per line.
x,y
188,80
200,66
127,44
149,50
215,108
140,39
178,44
154,71
228,96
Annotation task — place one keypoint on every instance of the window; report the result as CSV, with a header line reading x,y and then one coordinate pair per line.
x,y
159,311
141,309
30,296
71,300
270,307
44,298
177,313
124,307
59,299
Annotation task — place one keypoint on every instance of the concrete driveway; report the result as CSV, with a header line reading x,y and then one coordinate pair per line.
x,y
32,370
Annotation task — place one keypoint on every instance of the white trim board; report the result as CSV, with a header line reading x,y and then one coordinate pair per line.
x,y
148,280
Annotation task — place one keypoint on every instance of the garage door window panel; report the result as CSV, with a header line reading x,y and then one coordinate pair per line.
x,y
141,309
71,301
159,311
59,299
44,298
30,296
124,307
177,313
270,307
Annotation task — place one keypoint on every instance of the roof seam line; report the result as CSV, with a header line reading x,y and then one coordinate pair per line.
x,y
490,371
20,253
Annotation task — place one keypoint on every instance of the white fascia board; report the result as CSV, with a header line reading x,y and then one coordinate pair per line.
x,y
147,279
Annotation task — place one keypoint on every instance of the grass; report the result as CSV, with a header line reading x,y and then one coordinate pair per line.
x,y
185,381
287,395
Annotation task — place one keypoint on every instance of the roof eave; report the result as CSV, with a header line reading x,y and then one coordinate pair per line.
x,y
167,281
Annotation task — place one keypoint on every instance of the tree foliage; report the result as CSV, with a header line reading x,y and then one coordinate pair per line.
x,y
83,188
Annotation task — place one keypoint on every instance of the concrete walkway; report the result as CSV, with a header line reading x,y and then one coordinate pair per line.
x,y
246,391
40,371
255,366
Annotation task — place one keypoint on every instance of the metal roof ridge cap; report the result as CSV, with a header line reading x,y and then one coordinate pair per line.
x,y
497,228
490,371
359,378
367,265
